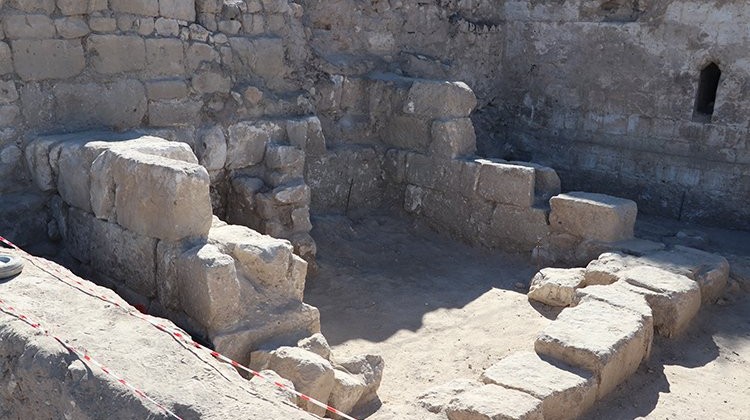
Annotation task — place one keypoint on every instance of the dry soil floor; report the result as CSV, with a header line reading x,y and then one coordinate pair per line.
x,y
437,310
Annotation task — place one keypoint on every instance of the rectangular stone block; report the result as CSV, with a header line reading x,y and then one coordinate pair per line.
x,y
124,256
247,143
407,132
593,216
28,26
178,9
113,54
494,402
136,7
439,99
156,196
556,286
90,105
504,183
565,392
174,112
601,338
208,287
165,57
48,58
547,182
264,57
453,138
518,228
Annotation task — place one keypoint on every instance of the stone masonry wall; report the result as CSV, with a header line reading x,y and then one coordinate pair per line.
x,y
602,91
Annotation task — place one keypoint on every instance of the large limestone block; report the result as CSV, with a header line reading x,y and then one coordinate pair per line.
x,y
674,298
437,399
438,99
263,57
47,58
136,7
85,105
505,183
247,144
547,183
566,392
601,338
317,344
311,374
263,260
155,196
710,271
125,256
113,54
517,228
178,9
494,402
74,170
453,138
556,286
369,369
347,390
208,287
593,216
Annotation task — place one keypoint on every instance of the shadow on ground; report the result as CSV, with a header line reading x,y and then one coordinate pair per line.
x,y
380,275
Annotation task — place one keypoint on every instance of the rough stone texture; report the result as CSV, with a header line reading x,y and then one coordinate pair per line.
x,y
437,399
607,340
593,216
317,344
209,288
674,298
311,374
369,370
42,377
494,402
47,59
347,390
507,184
440,99
556,286
710,271
566,392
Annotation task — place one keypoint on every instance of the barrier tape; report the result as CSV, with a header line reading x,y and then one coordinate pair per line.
x,y
177,334
83,356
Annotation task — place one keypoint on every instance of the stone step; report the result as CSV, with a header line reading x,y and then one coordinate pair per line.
x,y
556,286
566,392
608,340
674,298
494,402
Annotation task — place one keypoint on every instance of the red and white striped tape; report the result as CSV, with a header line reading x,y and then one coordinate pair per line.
x,y
177,334
83,356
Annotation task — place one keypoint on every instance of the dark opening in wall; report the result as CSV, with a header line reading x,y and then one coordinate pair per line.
x,y
706,97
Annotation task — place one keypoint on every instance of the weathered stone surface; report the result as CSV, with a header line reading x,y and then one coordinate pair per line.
x,y
28,27
439,99
166,89
674,298
212,148
494,402
89,105
273,389
566,392
113,54
710,271
74,170
241,205
264,57
178,9
72,27
593,216
175,112
165,57
547,182
307,134
292,194
317,344
263,260
208,286
162,198
347,390
122,255
136,7
453,138
437,399
247,144
48,58
556,286
369,368
607,340
517,228
506,184
311,374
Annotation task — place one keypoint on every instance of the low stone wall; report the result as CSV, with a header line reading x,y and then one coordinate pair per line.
x,y
42,379
136,210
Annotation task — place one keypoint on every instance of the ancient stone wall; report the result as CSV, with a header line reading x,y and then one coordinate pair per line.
x,y
603,91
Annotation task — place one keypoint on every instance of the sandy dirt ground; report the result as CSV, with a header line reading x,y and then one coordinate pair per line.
x,y
437,310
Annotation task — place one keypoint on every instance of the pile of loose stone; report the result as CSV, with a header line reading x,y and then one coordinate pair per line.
x,y
615,306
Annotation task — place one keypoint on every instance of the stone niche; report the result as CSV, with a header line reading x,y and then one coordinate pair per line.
x,y
136,211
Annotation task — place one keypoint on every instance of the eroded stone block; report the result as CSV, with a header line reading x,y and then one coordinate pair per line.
x,y
311,374
593,216
601,338
47,58
494,402
505,183
565,392
556,286
438,99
